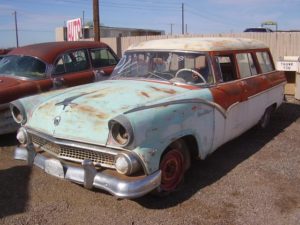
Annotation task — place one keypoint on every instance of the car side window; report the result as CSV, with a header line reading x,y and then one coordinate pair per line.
x,y
265,62
71,62
102,57
246,64
227,68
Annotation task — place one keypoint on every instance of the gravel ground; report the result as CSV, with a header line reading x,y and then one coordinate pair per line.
x,y
253,179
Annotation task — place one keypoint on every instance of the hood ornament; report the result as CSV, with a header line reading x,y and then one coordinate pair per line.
x,y
57,120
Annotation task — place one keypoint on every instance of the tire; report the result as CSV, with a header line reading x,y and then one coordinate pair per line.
x,y
266,118
173,165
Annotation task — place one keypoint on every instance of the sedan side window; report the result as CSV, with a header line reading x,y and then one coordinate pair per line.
x,y
71,62
102,57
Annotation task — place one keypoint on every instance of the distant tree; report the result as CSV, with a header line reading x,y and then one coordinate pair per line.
x,y
91,24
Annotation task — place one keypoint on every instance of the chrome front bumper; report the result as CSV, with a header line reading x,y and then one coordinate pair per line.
x,y
89,177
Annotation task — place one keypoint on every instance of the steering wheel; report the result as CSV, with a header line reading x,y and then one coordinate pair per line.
x,y
193,72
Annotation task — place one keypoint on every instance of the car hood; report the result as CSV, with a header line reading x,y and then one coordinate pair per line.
x,y
12,88
8,83
82,113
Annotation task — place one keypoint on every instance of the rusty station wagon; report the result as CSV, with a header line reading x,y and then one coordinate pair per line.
x,y
168,101
42,67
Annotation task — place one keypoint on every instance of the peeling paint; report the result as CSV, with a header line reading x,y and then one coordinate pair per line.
x,y
168,91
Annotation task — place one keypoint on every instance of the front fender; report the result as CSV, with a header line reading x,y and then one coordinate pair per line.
x,y
155,128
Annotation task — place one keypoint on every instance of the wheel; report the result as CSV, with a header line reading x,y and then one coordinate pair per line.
x,y
266,118
173,166
194,72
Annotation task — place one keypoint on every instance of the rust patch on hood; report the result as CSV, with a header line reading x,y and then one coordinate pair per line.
x,y
144,94
89,110
168,91
97,95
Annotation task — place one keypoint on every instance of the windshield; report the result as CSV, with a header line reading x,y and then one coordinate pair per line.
x,y
183,67
22,66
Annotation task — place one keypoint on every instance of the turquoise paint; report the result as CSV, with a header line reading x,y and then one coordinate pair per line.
x,y
85,111
85,118
156,128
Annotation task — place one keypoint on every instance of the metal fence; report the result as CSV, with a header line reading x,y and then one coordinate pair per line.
x,y
280,43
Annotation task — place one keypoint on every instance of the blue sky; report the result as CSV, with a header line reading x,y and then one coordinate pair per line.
x,y
37,19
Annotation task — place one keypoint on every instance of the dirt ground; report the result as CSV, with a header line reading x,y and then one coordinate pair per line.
x,y
253,179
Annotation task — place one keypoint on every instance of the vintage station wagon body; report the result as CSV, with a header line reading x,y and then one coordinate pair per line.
x,y
42,67
169,101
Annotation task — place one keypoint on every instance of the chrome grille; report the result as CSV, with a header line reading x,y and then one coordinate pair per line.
x,y
73,153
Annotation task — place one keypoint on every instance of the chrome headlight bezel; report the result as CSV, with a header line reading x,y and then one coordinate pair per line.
x,y
18,112
120,131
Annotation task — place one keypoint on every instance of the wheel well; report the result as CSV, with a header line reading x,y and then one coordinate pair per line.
x,y
191,144
274,106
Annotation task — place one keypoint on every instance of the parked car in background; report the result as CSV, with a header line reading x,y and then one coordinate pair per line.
x,y
258,29
4,51
43,67
168,101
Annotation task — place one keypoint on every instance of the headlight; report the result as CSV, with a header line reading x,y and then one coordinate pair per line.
x,y
18,112
22,136
121,131
127,164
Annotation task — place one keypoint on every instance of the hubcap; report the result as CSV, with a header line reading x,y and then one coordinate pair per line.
x,y
172,167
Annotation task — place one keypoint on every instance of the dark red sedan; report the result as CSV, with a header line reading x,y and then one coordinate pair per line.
x,y
43,67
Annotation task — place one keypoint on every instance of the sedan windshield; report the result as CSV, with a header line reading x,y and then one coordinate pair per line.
x,y
22,66
183,67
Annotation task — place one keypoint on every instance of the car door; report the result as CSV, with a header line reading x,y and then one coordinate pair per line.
x,y
228,94
72,68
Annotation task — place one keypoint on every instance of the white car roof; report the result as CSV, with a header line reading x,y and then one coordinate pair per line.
x,y
199,44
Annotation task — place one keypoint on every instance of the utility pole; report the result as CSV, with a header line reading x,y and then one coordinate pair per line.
x,y
182,19
16,28
171,28
186,29
96,20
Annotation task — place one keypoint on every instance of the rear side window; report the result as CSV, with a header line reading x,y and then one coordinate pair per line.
x,y
246,65
264,61
71,62
102,57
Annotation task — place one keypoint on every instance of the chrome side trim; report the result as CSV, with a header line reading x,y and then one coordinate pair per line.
x,y
90,177
181,101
